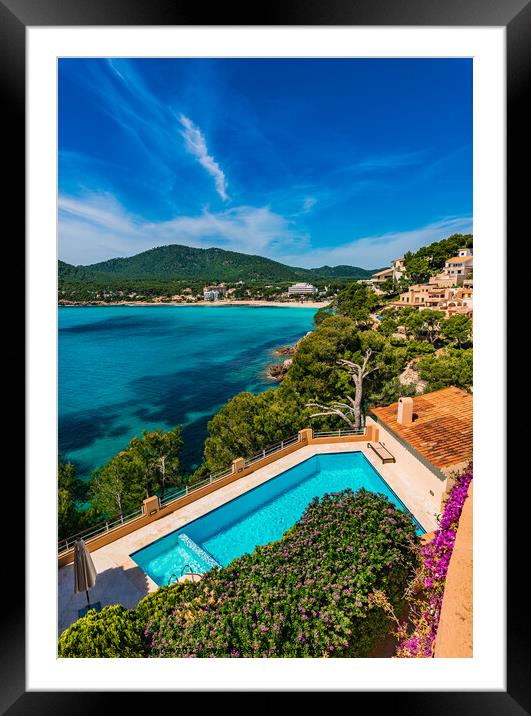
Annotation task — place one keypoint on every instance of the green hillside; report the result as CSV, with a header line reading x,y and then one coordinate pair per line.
x,y
353,272
177,262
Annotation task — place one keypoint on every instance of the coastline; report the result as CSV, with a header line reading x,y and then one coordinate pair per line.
x,y
295,304
105,381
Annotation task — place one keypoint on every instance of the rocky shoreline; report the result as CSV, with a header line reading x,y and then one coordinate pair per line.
x,y
284,350
278,371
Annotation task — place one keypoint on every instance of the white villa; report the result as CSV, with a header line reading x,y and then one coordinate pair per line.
x,y
456,270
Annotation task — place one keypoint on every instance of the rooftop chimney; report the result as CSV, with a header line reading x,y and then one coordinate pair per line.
x,y
405,411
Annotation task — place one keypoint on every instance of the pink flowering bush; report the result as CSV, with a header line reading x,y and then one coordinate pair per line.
x,y
435,558
305,595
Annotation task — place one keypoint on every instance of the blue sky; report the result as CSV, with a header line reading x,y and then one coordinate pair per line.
x,y
306,161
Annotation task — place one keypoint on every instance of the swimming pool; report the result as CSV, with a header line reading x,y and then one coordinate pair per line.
x,y
258,516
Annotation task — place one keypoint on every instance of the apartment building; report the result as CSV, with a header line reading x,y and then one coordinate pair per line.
x,y
214,293
394,272
455,269
301,289
460,266
451,300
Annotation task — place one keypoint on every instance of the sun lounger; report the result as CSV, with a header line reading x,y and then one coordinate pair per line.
x,y
382,452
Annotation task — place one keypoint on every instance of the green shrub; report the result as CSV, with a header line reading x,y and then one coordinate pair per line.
x,y
418,348
157,604
306,595
113,632
454,366
391,391
119,632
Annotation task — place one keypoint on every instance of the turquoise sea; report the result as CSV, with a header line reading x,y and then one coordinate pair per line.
x,y
126,369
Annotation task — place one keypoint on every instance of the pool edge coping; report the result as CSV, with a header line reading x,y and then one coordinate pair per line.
x,y
316,455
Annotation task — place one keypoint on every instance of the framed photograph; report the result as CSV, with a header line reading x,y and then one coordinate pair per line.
x,y
262,365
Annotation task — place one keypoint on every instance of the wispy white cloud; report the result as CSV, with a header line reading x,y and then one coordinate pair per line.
x,y
97,210
390,161
151,127
95,227
196,144
309,203
379,249
381,166
119,92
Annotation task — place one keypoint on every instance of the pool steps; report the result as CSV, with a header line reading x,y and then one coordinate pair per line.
x,y
187,571
201,553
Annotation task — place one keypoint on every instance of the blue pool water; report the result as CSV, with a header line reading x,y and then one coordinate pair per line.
x,y
258,516
124,369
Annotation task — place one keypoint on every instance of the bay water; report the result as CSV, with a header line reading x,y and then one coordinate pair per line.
x,y
124,369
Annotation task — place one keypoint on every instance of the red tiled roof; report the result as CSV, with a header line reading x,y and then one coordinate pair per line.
x,y
442,426
459,259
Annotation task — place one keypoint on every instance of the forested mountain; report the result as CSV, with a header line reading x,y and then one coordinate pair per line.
x,y
178,262
342,272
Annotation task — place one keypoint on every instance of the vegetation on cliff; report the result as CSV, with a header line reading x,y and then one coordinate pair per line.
x,y
429,260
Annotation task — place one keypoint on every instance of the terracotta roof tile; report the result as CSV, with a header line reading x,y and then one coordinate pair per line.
x,y
459,259
442,429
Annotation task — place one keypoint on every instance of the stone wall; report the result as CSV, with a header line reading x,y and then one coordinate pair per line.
x,y
454,635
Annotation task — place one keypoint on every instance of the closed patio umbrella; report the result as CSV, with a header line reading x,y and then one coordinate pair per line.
x,y
84,574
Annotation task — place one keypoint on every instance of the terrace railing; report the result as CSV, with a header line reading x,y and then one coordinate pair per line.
x,y
172,494
182,492
98,529
220,473
266,452
340,433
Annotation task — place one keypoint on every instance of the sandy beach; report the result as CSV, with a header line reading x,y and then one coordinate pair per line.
x,y
294,304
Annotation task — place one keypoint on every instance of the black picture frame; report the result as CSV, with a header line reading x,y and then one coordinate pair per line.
x,y
515,16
